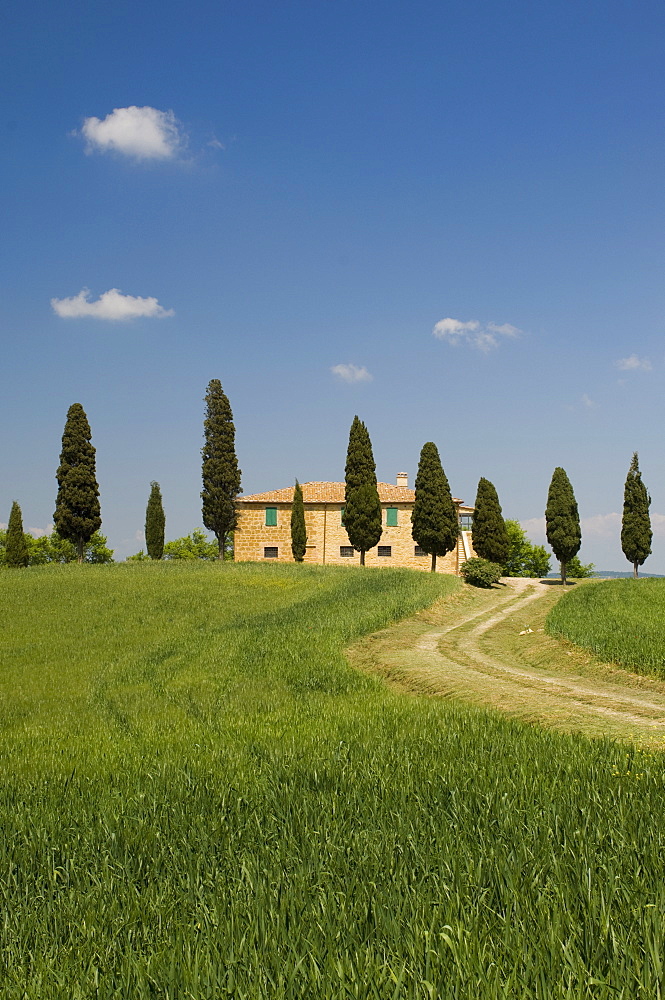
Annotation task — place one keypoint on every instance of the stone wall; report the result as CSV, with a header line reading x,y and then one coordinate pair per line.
x,y
326,535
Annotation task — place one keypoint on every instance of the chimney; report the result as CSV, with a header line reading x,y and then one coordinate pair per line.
x,y
402,479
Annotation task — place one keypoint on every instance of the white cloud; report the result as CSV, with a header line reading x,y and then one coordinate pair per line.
x,y
484,338
351,373
112,305
40,532
633,363
3,526
142,133
658,525
506,329
535,529
601,525
587,401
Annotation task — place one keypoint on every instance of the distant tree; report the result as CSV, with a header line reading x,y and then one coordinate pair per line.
x,y
488,534
298,528
636,524
77,514
579,571
524,558
194,546
221,475
562,520
435,526
16,549
54,549
362,507
155,522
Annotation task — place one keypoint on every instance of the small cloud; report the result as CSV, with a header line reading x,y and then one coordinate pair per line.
x,y
506,329
658,525
601,525
139,535
535,528
141,133
351,373
633,363
483,338
40,532
3,526
587,401
112,305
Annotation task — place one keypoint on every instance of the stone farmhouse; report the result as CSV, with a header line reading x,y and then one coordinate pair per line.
x,y
264,529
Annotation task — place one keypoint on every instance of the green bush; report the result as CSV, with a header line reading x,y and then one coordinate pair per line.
x,y
481,572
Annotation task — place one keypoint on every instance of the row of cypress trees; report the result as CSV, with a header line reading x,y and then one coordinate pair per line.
x,y
434,519
77,513
562,521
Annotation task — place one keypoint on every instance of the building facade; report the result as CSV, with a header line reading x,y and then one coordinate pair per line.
x,y
263,533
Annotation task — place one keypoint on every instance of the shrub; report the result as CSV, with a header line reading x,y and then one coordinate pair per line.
x,y
481,572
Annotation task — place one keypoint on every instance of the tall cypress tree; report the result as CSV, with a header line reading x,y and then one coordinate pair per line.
x,y
221,475
362,507
489,536
435,525
155,523
636,524
16,549
562,520
298,527
77,513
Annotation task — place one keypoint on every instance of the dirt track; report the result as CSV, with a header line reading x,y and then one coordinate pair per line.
x,y
480,649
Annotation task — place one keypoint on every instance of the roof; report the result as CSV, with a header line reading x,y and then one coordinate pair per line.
x,y
331,493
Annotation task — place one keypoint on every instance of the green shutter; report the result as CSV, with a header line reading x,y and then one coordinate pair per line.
x,y
391,517
341,516
271,517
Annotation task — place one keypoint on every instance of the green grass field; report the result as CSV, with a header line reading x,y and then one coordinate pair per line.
x,y
201,799
621,621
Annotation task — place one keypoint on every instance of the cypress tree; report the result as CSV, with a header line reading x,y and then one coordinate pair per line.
x,y
362,507
562,520
636,524
16,548
221,475
435,525
489,536
298,527
155,522
77,513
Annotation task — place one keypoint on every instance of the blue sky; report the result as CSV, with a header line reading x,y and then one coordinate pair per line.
x,y
296,198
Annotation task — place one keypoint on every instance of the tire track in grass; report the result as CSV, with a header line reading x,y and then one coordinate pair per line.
x,y
449,661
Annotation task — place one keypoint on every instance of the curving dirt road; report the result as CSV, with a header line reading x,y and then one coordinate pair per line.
x,y
482,647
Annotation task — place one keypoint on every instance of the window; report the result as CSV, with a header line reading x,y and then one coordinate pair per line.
x,y
346,551
271,517
466,522
391,517
341,516
270,552
419,551
385,550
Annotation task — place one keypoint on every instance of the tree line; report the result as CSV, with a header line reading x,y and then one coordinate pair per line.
x,y
435,526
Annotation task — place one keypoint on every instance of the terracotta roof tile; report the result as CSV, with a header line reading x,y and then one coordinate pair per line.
x,y
331,493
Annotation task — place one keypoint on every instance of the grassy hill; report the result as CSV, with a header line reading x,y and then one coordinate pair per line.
x,y
621,621
201,799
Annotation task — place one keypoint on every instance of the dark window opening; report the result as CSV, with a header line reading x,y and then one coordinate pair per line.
x,y
419,551
385,550
346,551
270,552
